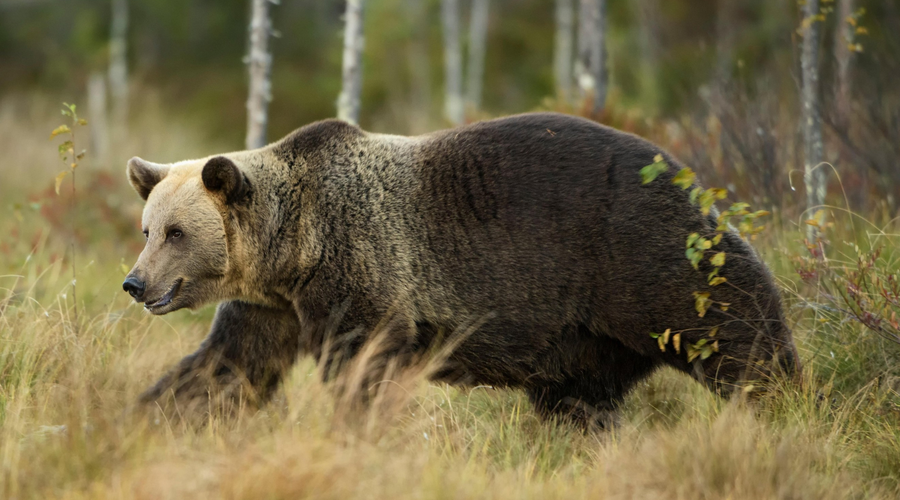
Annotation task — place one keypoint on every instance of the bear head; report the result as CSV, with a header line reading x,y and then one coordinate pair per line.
x,y
190,256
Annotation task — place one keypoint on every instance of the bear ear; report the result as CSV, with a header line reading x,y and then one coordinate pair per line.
x,y
144,176
221,175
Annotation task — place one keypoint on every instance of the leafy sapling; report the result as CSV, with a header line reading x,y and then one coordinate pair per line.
x,y
699,247
69,157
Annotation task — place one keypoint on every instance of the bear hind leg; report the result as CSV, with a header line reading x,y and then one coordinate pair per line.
x,y
590,395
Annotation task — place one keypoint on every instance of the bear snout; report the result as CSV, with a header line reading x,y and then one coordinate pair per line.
x,y
134,287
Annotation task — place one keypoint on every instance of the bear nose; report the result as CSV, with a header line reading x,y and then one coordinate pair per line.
x,y
134,287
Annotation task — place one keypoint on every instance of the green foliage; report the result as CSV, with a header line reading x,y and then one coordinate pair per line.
x,y
699,246
703,348
66,149
652,171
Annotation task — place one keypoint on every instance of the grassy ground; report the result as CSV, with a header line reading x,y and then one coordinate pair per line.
x,y
68,376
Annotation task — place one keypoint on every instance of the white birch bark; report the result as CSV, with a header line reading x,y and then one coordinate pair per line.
x,y
649,33
351,69
562,55
259,62
453,100
97,111
590,67
843,54
478,26
814,178
583,76
419,65
598,59
118,63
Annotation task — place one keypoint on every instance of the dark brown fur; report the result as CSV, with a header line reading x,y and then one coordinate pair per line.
x,y
534,227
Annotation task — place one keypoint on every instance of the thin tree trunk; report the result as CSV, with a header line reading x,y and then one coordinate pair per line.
x,y
259,61
844,38
586,36
118,63
727,28
478,26
453,101
562,56
591,63
813,177
97,109
419,67
599,67
349,100
649,33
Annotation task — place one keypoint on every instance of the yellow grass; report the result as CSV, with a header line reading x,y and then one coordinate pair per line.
x,y
67,386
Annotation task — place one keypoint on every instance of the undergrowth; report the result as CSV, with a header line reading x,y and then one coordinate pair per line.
x,y
67,385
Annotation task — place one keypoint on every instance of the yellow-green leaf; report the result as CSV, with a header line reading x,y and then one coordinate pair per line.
x,y
717,239
64,149
737,207
691,239
62,129
684,178
652,171
694,193
718,259
718,280
701,303
59,179
676,342
692,353
706,200
82,122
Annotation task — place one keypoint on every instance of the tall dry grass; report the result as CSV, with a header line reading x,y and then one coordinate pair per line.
x,y
67,388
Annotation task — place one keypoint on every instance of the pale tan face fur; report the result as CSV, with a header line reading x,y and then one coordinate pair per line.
x,y
185,260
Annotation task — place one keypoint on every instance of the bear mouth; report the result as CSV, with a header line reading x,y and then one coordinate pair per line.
x,y
166,299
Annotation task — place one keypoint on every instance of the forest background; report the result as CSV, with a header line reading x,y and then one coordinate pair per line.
x,y
734,88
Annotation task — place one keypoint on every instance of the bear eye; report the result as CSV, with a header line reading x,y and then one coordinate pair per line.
x,y
146,234
174,234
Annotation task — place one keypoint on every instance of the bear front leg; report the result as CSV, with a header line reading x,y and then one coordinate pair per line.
x,y
248,350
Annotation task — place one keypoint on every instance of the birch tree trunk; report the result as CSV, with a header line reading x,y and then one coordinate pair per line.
x,y
478,25
813,177
453,100
727,27
118,63
843,54
649,32
590,66
97,109
583,75
598,59
351,71
419,65
562,55
259,61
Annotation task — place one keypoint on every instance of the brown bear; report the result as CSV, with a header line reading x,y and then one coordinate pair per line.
x,y
533,232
